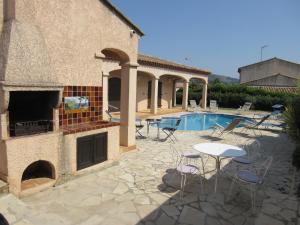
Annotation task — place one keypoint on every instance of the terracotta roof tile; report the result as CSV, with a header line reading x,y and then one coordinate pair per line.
x,y
278,89
154,61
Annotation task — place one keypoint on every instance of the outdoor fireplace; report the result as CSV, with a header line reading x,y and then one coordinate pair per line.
x,y
37,173
31,112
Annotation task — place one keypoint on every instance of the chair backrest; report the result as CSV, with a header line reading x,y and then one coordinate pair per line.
x,y
264,168
170,122
247,106
253,148
109,115
213,103
233,124
193,103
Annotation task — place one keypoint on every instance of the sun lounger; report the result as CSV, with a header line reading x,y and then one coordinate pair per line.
x,y
245,107
213,105
194,107
248,125
220,130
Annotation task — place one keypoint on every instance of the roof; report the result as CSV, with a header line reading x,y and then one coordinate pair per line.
x,y
263,62
122,16
154,61
278,89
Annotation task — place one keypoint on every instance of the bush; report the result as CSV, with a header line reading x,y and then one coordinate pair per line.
x,y
235,95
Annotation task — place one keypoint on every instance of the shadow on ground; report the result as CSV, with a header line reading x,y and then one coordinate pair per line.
x,y
203,206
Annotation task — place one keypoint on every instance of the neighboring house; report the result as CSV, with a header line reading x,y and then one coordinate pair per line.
x,y
272,74
61,62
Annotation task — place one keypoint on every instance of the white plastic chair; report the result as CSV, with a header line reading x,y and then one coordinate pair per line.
x,y
194,106
252,179
245,107
213,105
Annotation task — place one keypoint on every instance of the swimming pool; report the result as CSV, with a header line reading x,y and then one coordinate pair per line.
x,y
204,121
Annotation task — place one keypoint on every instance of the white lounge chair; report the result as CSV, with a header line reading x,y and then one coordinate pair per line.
x,y
245,107
194,107
213,105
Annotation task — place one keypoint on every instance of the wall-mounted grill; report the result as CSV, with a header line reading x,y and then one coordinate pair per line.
x,y
30,127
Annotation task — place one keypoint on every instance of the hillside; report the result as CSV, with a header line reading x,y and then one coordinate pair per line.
x,y
222,78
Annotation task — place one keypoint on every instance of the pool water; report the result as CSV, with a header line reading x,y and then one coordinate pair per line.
x,y
204,121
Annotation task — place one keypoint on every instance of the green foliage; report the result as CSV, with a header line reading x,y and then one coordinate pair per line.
x,y
235,95
292,118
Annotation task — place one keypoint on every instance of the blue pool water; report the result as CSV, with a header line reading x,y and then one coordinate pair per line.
x,y
203,121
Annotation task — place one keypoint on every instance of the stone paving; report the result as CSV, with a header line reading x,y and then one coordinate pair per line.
x,y
143,190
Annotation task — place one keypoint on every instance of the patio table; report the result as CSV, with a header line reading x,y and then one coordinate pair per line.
x,y
219,151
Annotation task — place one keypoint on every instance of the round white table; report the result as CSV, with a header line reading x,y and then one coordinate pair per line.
x,y
219,151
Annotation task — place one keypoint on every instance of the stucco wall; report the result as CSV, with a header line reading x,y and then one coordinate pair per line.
x,y
167,92
142,92
113,146
3,162
72,31
269,68
23,151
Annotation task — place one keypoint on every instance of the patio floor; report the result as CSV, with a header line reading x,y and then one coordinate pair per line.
x,y
143,190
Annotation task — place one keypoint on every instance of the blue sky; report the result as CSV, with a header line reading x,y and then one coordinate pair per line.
x,y
219,35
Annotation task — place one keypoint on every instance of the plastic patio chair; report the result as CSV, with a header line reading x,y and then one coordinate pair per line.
x,y
253,180
194,106
186,163
228,129
245,107
213,105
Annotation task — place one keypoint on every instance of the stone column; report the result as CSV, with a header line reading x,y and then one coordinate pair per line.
x,y
204,96
185,95
128,104
104,95
174,93
154,95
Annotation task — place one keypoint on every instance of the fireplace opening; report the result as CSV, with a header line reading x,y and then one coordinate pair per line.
x,y
37,173
31,112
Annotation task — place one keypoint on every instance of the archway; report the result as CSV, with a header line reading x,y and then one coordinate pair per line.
x,y
171,90
144,90
37,173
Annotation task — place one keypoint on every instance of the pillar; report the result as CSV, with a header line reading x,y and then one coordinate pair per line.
x,y
174,93
204,96
104,95
128,104
185,95
154,95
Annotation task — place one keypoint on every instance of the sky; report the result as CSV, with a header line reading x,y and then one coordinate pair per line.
x,y
218,35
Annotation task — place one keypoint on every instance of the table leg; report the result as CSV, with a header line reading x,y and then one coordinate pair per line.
x,y
217,173
158,137
148,124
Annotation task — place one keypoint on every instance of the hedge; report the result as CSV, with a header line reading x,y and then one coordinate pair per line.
x,y
235,95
